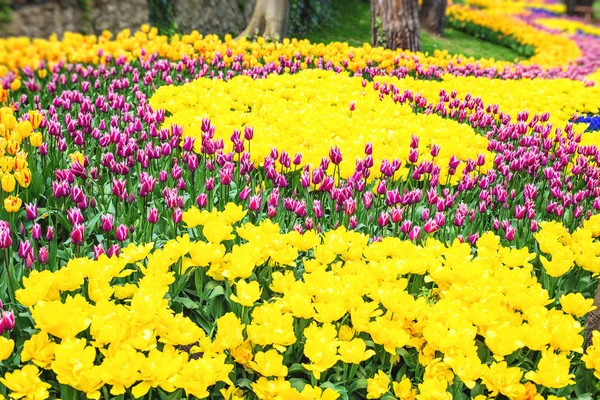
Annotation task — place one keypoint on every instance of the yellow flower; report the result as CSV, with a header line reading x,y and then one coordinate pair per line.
x,y
437,369
25,383
39,349
434,389
269,364
273,389
320,348
500,378
247,293
23,176
553,371
120,368
49,316
232,393
6,348
36,139
36,118
577,305
591,358
73,360
77,157
355,351
378,385
15,85
229,333
316,393
8,183
12,204
403,389
160,368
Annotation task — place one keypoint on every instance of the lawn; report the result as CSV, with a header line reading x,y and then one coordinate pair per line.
x,y
352,24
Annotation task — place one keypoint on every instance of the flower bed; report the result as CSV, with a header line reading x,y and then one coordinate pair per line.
x,y
206,218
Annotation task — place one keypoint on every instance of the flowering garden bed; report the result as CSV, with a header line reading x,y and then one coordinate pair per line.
x,y
216,218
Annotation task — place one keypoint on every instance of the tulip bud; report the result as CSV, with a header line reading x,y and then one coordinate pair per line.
x,y
153,215
98,251
43,255
202,200
50,233
31,212
177,215
107,221
77,234
122,233
383,219
335,155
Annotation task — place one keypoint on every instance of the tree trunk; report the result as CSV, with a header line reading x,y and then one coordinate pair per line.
x,y
395,24
269,19
571,6
592,321
433,15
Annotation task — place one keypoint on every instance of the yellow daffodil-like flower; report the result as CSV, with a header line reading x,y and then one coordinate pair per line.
x,y
354,351
39,349
591,358
404,389
316,393
269,363
552,371
232,393
120,368
378,385
6,348
434,389
49,316
576,305
437,369
159,369
25,383
499,378
229,333
320,348
246,293
278,388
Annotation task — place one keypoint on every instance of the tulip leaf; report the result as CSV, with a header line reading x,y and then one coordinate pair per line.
x,y
216,292
244,383
358,384
296,368
186,302
298,383
338,388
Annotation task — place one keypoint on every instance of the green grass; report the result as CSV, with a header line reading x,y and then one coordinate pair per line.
x,y
352,24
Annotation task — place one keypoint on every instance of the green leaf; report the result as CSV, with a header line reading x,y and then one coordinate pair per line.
x,y
296,368
358,384
338,388
298,383
216,292
187,303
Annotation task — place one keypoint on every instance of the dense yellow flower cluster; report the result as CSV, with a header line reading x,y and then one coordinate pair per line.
x,y
351,300
560,97
17,53
569,25
284,109
548,48
517,6
14,168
